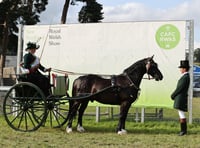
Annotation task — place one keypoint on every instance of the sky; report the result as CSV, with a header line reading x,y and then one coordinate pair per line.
x,y
132,10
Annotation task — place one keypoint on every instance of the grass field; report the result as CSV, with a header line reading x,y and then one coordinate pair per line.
x,y
152,133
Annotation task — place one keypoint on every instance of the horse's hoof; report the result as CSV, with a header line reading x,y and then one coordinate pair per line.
x,y
80,129
68,130
122,132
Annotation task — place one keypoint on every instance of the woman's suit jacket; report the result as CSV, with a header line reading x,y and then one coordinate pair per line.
x,y
180,94
28,60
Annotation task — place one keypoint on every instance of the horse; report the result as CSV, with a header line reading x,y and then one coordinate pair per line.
x,y
119,90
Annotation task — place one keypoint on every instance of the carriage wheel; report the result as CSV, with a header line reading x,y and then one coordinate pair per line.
x,y
24,107
57,110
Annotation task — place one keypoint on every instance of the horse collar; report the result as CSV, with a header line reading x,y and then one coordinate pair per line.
x,y
132,83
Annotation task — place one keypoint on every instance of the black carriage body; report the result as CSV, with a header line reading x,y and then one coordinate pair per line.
x,y
26,108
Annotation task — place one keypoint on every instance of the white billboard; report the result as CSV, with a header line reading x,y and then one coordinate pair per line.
x,y
109,48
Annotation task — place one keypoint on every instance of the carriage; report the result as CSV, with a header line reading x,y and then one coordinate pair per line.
x,y
26,108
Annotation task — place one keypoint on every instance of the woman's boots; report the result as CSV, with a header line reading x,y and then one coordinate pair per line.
x,y
183,124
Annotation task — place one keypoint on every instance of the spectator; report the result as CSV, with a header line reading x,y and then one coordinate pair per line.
x,y
180,95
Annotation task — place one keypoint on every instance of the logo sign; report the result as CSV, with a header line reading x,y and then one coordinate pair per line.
x,y
167,36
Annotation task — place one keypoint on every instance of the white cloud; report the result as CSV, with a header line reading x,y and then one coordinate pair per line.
x,y
52,15
136,12
126,12
130,12
196,45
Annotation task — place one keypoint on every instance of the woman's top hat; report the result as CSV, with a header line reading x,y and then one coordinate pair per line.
x,y
31,45
184,64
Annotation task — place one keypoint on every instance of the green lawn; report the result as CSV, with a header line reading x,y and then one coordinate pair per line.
x,y
102,134
152,133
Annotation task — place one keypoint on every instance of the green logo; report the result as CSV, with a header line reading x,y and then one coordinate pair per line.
x,y
167,36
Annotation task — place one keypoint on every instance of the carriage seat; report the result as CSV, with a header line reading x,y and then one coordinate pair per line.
x,y
22,76
60,84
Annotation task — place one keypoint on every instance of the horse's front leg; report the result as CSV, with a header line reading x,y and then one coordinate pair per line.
x,y
124,108
80,116
71,115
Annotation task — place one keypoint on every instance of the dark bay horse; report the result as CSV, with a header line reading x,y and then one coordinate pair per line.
x,y
119,90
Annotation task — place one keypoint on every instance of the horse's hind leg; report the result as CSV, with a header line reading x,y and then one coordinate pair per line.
x,y
71,115
80,116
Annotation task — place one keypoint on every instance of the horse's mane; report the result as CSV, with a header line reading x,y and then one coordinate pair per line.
x,y
134,65
130,69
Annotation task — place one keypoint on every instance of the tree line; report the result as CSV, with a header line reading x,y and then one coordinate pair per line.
x,y
27,12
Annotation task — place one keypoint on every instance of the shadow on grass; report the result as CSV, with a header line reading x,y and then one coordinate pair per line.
x,y
132,127
131,131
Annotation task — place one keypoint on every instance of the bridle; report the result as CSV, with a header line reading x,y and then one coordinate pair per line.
x,y
148,66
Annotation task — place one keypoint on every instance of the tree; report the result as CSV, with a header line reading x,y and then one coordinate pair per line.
x,y
197,55
64,12
91,12
13,13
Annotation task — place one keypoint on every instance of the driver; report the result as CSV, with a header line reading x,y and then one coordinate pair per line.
x,y
32,66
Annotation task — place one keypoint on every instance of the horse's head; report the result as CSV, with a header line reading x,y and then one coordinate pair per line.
x,y
152,69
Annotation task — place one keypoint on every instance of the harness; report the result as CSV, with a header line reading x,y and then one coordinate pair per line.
x,y
132,83
113,80
148,65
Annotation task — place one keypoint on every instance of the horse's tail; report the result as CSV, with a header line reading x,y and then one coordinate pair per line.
x,y
71,101
70,106
80,86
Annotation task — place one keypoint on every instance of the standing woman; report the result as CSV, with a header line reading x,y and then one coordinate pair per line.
x,y
32,65
180,95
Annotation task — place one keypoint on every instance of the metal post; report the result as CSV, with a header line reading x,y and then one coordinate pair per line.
x,y
142,115
97,114
19,50
191,58
110,112
136,115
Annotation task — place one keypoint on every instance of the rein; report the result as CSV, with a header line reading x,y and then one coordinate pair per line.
x,y
78,73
